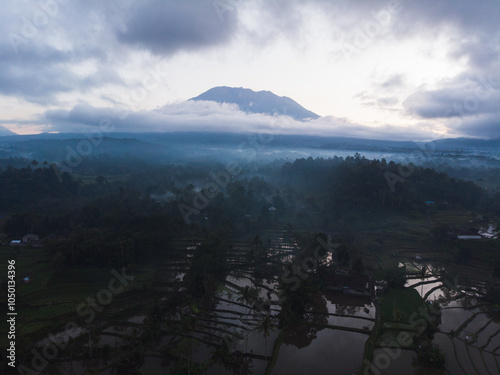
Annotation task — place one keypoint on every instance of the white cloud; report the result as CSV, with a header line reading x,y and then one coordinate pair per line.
x,y
213,117
98,52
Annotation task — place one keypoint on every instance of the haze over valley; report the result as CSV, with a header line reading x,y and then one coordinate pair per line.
x,y
243,187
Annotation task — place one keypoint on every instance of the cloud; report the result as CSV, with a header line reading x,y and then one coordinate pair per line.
x,y
44,63
385,93
213,117
41,74
187,116
19,77
480,126
464,97
468,106
393,82
165,27
90,50
54,57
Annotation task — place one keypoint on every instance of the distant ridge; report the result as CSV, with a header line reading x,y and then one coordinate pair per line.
x,y
5,131
264,102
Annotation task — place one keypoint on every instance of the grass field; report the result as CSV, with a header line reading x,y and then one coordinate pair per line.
x,y
49,300
457,218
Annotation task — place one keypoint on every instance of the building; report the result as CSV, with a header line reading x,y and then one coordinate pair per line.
x,y
29,238
489,235
468,237
342,272
353,285
380,285
467,234
358,285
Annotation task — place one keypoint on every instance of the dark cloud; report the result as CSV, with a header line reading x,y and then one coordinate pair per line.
x,y
40,66
35,75
471,26
463,97
482,126
468,106
39,74
165,27
40,57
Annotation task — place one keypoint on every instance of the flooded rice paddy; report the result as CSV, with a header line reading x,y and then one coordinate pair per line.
x,y
333,337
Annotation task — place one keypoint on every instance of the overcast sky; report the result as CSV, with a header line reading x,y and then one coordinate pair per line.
x,y
403,69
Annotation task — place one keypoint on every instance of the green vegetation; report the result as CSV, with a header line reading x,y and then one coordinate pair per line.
x,y
397,305
289,233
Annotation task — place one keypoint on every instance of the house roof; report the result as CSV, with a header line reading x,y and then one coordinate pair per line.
x,y
352,281
469,236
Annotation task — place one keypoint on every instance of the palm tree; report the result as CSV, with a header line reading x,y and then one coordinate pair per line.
x,y
265,326
248,295
247,365
185,348
423,271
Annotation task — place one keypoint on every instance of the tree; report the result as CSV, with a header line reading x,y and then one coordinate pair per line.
x,y
185,350
266,325
208,263
248,295
396,278
100,180
343,255
358,265
58,263
431,355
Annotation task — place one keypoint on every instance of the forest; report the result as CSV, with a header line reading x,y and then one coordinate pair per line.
x,y
190,231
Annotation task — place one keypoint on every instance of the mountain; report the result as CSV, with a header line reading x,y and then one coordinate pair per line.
x,y
257,102
5,131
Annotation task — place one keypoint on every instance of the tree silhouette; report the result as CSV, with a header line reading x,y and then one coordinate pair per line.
x,y
248,295
265,325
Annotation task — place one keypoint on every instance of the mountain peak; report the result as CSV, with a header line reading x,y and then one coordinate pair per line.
x,y
251,101
4,131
